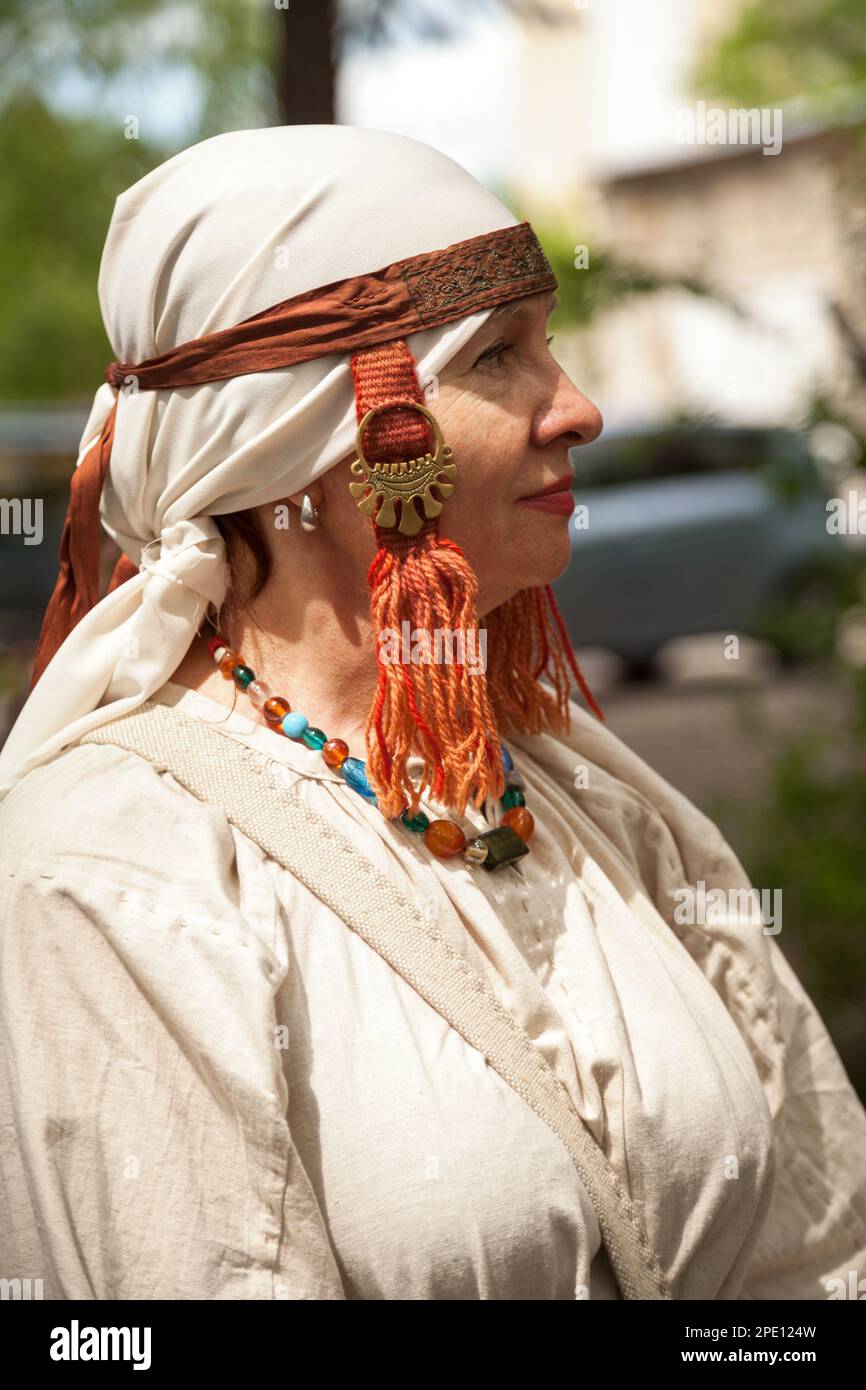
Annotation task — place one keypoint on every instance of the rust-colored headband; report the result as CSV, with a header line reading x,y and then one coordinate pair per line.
x,y
420,292
351,315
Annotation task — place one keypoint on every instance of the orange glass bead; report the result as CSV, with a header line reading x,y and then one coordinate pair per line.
x,y
520,821
444,839
229,661
275,709
335,752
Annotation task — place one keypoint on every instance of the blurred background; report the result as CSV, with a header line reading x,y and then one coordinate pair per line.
x,y
713,305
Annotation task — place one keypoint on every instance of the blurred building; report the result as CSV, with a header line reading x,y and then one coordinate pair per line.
x,y
583,122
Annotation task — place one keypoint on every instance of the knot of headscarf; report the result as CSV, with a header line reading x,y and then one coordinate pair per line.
x,y
176,557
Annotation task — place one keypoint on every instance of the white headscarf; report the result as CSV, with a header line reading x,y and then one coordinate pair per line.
x,y
218,233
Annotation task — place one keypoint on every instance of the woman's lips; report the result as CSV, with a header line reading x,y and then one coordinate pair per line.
x,y
560,503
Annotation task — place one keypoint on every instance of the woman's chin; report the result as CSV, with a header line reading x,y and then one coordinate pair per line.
x,y
543,550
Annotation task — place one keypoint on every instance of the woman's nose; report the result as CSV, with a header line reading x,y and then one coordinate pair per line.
x,y
569,413
590,419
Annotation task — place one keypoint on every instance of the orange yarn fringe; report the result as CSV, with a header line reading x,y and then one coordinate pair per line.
x,y
447,713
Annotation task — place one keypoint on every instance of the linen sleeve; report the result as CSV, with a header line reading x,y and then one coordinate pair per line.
x,y
813,1242
145,1150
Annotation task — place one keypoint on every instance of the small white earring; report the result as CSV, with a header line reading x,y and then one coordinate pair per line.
x,y
309,515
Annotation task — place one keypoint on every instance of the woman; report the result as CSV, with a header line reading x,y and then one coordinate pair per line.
x,y
283,1018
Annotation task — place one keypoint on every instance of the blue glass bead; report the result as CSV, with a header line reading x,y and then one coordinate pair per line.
x,y
293,725
507,762
355,774
314,738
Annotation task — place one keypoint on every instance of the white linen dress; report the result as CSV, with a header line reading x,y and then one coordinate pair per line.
x,y
211,1087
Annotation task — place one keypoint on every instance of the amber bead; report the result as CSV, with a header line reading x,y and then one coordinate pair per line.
x,y
521,821
228,663
335,752
444,839
275,709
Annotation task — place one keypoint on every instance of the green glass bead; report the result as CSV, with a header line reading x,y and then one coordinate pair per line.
x,y
243,676
513,797
314,738
417,823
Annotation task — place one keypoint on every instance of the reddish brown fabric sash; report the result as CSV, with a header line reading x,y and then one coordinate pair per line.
x,y
77,588
420,292
364,311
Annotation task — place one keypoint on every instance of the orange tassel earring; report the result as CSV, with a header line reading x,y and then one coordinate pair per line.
x,y
441,710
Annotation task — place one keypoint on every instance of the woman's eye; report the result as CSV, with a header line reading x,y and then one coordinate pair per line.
x,y
494,354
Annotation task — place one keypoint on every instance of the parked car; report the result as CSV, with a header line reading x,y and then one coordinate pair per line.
x,y
702,529
38,448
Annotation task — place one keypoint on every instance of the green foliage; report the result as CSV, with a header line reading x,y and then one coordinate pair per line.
x,y
224,48
780,50
62,172
60,181
809,837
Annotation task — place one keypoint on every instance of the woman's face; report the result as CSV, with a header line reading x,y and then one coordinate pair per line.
x,y
510,415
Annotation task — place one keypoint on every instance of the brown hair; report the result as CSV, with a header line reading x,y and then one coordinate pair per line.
x,y
244,537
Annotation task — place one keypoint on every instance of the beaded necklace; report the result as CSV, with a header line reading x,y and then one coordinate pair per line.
x,y
505,843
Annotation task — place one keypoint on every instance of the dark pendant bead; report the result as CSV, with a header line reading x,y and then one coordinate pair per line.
x,y
503,846
314,738
514,779
513,797
243,676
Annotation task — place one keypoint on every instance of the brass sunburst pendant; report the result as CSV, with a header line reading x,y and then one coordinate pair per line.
x,y
407,481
